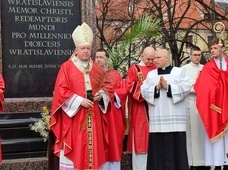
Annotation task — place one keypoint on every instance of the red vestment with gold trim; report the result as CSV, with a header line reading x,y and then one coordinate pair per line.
x,y
137,112
211,89
73,132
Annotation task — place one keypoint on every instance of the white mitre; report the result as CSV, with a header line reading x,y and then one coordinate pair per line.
x,y
82,35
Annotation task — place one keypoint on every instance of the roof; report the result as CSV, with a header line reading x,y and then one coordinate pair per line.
x,y
121,10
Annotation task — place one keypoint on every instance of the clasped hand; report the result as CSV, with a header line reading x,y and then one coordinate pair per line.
x,y
162,84
88,103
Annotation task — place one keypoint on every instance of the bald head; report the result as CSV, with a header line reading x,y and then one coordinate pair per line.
x,y
162,58
148,55
163,52
149,50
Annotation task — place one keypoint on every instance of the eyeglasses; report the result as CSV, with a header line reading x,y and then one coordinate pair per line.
x,y
196,54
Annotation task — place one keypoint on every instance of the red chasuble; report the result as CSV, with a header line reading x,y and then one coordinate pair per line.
x,y
116,118
137,112
212,98
2,88
87,125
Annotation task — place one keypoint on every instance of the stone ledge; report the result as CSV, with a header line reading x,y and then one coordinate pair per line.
x,y
28,104
126,161
25,164
42,163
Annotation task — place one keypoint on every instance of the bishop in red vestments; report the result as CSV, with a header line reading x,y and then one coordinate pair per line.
x,y
79,103
137,109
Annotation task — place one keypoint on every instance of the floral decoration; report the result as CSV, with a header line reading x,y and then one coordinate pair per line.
x,y
42,125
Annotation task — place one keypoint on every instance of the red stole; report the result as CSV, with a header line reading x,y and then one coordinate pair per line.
x,y
137,112
211,99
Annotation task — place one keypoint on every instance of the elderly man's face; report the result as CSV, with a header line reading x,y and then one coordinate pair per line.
x,y
83,52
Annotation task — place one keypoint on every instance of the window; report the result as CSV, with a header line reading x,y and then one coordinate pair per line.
x,y
131,7
189,41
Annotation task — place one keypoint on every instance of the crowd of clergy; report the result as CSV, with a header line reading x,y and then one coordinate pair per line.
x,y
176,117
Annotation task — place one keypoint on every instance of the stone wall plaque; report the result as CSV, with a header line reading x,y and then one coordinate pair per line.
x,y
36,40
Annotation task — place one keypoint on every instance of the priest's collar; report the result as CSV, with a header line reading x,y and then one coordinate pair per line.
x,y
223,62
105,67
165,70
142,63
84,63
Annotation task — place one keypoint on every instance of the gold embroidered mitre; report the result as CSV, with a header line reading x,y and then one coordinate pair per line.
x,y
82,35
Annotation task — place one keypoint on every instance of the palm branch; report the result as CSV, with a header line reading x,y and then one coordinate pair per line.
x,y
144,27
103,79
